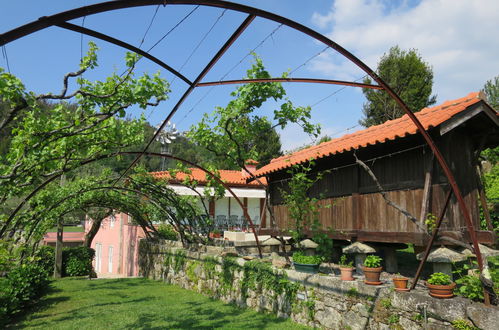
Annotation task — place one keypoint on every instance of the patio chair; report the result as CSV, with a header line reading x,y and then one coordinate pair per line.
x,y
221,222
256,222
233,221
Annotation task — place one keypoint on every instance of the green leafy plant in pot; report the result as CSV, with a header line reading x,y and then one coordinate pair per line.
x,y
346,269
440,285
306,264
372,269
216,234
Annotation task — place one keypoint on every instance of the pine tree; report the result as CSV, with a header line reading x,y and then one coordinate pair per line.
x,y
409,76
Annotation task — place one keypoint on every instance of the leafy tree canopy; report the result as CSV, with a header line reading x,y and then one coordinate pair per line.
x,y
409,76
235,133
491,91
83,126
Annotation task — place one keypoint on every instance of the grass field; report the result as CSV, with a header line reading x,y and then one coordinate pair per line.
x,y
67,229
138,304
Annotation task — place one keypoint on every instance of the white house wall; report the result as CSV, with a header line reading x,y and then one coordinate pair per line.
x,y
239,192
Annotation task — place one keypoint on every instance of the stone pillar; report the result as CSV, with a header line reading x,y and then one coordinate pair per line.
x,y
359,262
443,267
359,251
391,259
442,259
308,247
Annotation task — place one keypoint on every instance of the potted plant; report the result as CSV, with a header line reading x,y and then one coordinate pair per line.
x,y
306,264
440,285
372,269
216,234
400,282
346,269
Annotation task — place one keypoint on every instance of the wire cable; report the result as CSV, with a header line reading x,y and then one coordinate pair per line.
x,y
6,57
251,51
230,70
307,61
336,92
149,26
173,28
192,53
199,44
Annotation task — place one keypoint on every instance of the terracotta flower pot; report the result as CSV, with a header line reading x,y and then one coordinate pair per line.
x,y
346,273
400,283
441,291
215,235
372,275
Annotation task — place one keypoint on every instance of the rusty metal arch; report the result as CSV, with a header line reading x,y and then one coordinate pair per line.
x,y
155,154
57,19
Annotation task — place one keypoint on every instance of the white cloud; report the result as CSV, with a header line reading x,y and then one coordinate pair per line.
x,y
457,37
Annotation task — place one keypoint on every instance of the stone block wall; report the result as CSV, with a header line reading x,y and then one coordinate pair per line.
x,y
315,300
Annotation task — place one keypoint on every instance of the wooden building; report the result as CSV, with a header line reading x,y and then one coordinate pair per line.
x,y
406,169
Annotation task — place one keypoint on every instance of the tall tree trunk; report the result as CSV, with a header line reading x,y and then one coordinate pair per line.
x,y
97,216
58,251
92,232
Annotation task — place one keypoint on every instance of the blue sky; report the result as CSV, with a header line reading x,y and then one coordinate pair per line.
x,y
457,37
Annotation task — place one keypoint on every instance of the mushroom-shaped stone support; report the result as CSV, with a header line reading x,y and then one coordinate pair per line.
x,y
442,259
272,243
360,251
484,250
308,246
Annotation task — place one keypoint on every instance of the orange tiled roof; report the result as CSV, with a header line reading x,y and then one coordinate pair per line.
x,y
231,177
390,130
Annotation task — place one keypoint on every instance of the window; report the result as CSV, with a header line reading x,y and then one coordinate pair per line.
x,y
110,260
112,220
98,257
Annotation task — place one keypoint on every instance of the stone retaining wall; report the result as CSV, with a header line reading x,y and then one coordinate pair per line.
x,y
315,300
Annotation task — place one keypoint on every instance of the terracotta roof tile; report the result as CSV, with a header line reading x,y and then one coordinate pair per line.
x,y
231,177
390,130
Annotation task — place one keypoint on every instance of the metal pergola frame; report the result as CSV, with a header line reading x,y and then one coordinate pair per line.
x,y
61,20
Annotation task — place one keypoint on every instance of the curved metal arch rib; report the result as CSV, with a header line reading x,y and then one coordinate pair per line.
x,y
98,35
44,22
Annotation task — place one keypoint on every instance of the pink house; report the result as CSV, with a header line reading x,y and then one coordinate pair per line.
x,y
117,241
116,246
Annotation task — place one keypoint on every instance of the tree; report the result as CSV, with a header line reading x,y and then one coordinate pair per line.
x,y
491,91
235,133
409,76
85,125
491,177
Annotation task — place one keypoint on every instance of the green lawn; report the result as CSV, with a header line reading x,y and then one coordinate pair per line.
x,y
68,229
138,304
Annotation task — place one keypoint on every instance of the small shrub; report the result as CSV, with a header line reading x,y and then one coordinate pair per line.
x,y
431,222
393,319
439,279
167,231
77,261
209,266
308,260
191,272
470,286
179,260
344,263
386,303
23,284
463,325
353,292
372,261
46,258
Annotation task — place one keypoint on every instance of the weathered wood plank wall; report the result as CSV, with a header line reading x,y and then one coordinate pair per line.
x,y
356,205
